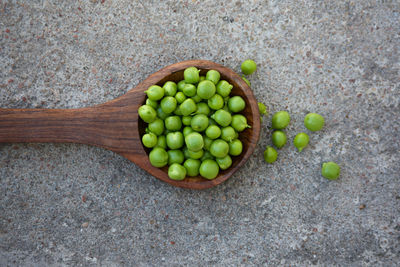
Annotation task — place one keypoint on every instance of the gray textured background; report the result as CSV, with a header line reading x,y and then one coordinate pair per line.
x,y
68,204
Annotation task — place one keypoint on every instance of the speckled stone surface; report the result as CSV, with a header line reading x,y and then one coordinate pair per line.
x,y
77,205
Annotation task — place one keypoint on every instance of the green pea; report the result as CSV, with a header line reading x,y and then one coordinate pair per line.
x,y
224,163
192,167
206,89
206,155
194,154
162,142
173,123
235,147
168,104
149,140
314,122
330,170
152,103
213,131
180,97
279,139
194,141
202,108
219,148
196,99
155,92
216,102
158,157
147,113
246,81
189,90
199,122
280,120
213,75
187,130
236,104
262,108
209,169
207,142
270,154
175,156
228,134
239,122
170,88
301,141
174,140
222,117
188,107
180,85
176,172
248,67
157,126
224,88
202,78
186,120
161,114
191,75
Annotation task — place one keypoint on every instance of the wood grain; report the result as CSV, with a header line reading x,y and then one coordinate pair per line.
x,y
115,125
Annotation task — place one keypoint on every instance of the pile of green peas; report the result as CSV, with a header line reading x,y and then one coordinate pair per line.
x,y
193,125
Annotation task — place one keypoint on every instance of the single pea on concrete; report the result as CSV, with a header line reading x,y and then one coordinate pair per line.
x,y
270,154
330,170
314,122
248,67
279,139
301,141
280,120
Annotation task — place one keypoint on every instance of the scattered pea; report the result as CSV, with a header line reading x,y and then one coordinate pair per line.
x,y
246,81
248,67
301,141
314,122
279,139
270,154
330,170
280,120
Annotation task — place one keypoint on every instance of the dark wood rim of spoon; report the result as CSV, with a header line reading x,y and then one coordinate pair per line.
x,y
115,125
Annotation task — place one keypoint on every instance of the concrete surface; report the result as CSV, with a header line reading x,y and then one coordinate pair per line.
x,y
69,204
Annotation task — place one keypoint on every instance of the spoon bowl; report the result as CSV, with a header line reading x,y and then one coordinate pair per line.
x,y
115,125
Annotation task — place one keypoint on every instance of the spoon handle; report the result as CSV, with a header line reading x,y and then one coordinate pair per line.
x,y
112,127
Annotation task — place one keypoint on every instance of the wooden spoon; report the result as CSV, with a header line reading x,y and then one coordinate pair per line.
x,y
116,126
